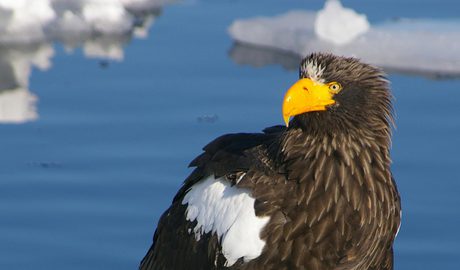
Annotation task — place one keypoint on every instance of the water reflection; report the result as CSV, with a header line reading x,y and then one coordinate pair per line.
x,y
28,30
260,56
17,103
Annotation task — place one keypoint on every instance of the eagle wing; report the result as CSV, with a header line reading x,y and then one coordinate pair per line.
x,y
228,157
308,226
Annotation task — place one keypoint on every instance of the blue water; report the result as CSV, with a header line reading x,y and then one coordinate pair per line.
x,y
83,186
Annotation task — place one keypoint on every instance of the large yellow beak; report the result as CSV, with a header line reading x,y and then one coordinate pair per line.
x,y
306,96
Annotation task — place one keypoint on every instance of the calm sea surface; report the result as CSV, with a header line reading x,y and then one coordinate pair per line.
x,y
83,186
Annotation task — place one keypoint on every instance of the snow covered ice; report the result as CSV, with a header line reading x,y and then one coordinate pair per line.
x,y
75,22
339,25
39,16
416,46
28,29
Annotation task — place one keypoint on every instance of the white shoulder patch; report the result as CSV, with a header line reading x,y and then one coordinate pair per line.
x,y
229,212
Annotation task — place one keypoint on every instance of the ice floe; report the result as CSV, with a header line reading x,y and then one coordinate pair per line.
x,y
75,22
29,28
426,46
27,21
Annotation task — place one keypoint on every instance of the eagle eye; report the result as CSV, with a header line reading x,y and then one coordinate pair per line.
x,y
335,87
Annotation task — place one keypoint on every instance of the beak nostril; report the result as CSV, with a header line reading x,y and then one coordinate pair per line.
x,y
305,88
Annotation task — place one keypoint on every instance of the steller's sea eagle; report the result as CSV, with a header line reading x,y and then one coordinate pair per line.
x,y
317,194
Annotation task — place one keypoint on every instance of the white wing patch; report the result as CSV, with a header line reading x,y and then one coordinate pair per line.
x,y
229,212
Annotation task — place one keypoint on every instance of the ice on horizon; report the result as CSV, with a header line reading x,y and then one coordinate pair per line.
x,y
78,23
28,29
410,45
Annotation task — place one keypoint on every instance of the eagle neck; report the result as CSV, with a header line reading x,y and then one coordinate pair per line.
x,y
360,152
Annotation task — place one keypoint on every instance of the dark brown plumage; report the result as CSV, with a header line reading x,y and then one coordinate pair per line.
x,y
325,183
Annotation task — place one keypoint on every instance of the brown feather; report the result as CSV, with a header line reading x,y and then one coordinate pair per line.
x,y
325,183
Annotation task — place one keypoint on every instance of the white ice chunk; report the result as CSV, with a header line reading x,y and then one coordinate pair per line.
x,y
24,20
28,21
288,32
17,106
426,46
103,48
28,28
71,22
339,25
107,16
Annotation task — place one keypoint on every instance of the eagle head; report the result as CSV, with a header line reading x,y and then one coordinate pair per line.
x,y
336,92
